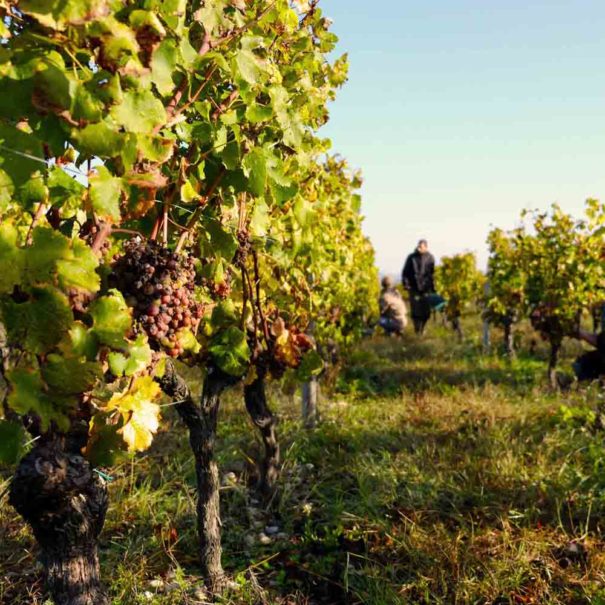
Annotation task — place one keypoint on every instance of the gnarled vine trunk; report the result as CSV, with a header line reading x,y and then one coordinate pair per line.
x,y
457,327
262,417
509,343
57,493
553,359
201,421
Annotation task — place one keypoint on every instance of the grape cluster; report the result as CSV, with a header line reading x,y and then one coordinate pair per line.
x,y
158,284
220,290
217,289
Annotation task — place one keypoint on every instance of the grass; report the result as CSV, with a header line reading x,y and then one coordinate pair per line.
x,y
437,475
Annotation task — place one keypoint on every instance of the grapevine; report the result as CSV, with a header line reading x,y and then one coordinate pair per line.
x,y
461,283
504,299
550,270
564,273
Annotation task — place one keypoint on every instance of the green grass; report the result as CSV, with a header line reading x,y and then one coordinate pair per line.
x,y
437,475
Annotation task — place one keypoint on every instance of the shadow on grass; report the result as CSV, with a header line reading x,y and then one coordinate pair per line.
x,y
389,366
438,377
387,486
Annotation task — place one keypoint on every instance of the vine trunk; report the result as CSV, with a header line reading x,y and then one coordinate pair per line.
x,y
262,417
553,359
509,343
58,494
201,421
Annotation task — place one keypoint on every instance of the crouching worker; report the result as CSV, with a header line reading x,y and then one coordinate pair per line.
x,y
590,365
393,312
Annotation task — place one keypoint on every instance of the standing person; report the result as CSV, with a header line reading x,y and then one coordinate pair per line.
x,y
393,312
418,279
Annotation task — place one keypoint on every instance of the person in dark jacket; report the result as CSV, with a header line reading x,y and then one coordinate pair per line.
x,y
418,279
591,365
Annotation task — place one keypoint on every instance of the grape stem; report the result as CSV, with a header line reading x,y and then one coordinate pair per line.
x,y
258,301
40,210
156,227
240,229
225,104
175,224
128,231
171,107
196,215
101,236
250,295
245,299
246,26
194,97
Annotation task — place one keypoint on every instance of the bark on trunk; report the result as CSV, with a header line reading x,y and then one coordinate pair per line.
x,y
457,328
552,365
509,345
310,395
64,502
201,422
256,404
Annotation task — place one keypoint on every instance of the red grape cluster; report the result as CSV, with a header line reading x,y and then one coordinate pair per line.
x,y
220,290
217,289
158,284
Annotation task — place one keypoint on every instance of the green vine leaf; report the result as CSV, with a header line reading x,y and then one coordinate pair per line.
x,y
12,440
58,14
70,376
230,352
138,358
28,396
255,168
39,323
111,320
139,111
11,259
105,194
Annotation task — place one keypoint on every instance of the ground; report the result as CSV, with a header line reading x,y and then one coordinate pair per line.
x,y
438,474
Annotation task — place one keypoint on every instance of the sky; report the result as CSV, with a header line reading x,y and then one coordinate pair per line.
x,y
462,113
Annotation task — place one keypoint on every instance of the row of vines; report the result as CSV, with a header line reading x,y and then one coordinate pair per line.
x,y
549,269
165,199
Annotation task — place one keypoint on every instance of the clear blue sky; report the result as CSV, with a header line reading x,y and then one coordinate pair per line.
x,y
461,113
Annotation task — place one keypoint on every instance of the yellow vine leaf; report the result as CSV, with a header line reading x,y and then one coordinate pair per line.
x,y
140,414
286,349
